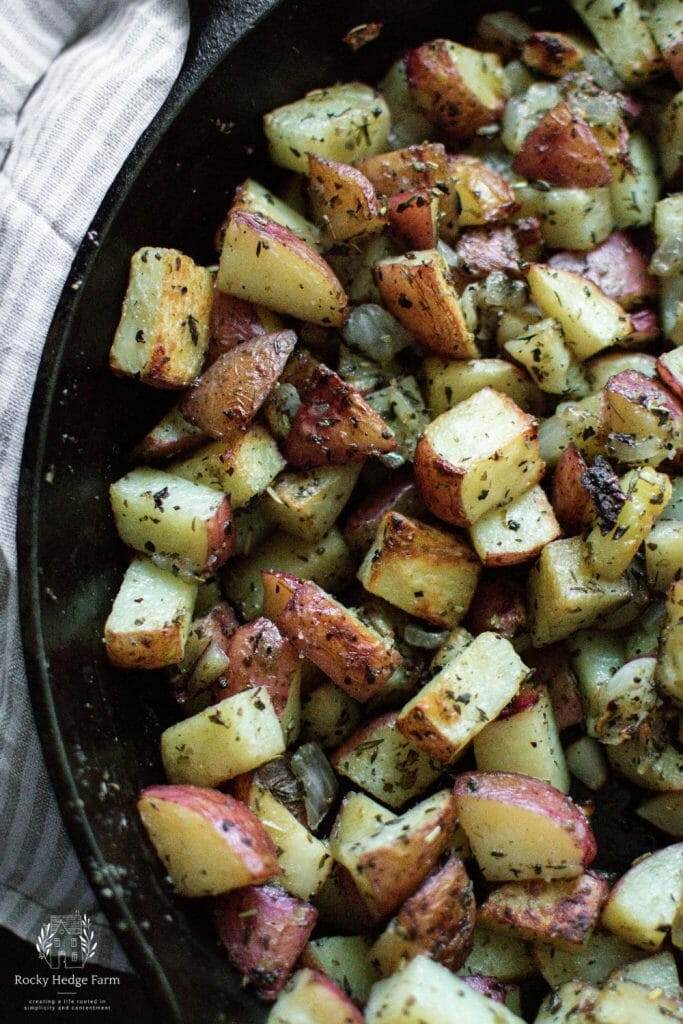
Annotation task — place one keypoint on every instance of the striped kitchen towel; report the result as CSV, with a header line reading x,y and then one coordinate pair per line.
x,y
79,82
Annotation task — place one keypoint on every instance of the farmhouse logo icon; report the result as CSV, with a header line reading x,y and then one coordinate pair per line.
x,y
67,941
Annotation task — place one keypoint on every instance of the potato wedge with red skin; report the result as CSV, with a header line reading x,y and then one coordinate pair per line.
x,y
498,606
520,828
334,425
171,436
414,217
570,498
230,393
260,656
233,321
417,289
438,921
563,150
264,931
477,195
632,388
551,669
354,656
552,53
399,494
312,998
402,170
562,913
480,251
616,266
670,369
343,200
208,842
456,88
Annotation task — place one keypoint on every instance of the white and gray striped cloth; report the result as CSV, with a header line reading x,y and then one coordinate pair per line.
x,y
79,82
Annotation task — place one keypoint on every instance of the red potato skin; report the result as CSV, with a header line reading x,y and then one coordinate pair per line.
x,y
523,701
399,494
498,605
239,827
616,266
483,250
333,1005
496,195
221,538
233,321
326,635
229,394
636,387
343,199
412,219
334,425
570,499
563,150
218,625
152,450
551,669
264,931
402,170
260,656
486,986
530,795
672,380
644,326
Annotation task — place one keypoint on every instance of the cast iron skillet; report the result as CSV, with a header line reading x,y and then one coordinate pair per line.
x,y
99,727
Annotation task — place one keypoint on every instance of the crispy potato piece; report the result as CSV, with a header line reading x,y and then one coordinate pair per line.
x,y
263,931
456,88
401,170
422,569
234,320
149,623
571,498
601,368
255,198
389,860
414,217
241,466
561,913
477,195
617,266
343,200
352,654
645,416
622,34
636,186
502,957
304,859
552,53
563,150
266,263
334,424
542,351
641,907
307,503
209,843
517,532
399,494
227,397
311,997
522,828
172,435
437,921
447,382
163,333
417,290
477,456
470,690
379,759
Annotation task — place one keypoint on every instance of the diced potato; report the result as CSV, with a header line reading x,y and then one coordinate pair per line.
x,y
307,503
182,524
645,417
526,741
399,494
560,913
329,716
523,113
380,760
266,263
423,166
665,811
622,34
671,307
223,741
635,187
590,321
205,658
149,623
477,195
252,526
571,218
343,122
498,955
666,24
208,842
641,906
621,1002
252,196
600,369
448,382
417,289
327,562
171,436
304,860
571,1003
311,997
414,218
553,53
163,333
566,595
563,150
516,533
670,369
600,955
658,971
345,959
242,466
544,354
427,991
655,767
664,554
469,691
670,667
477,456
620,269
671,138
611,552
422,569
343,200
408,125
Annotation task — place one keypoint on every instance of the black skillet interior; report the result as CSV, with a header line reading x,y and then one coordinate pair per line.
x,y
99,727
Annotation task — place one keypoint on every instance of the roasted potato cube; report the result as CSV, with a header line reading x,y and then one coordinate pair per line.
x,y
416,288
477,456
353,655
266,263
636,185
481,251
263,931
223,741
590,964
601,368
570,218
149,623
670,667
307,503
470,690
304,859
422,569
311,997
516,533
344,202
561,913
414,217
345,959
205,657
552,53
437,921
447,382
563,150
329,716
565,594
343,122
400,170
622,34
233,321
543,353
617,266
209,843
499,956
622,1001
163,333
522,828
380,760
586,762
645,417
242,466
255,198
184,525
580,495
456,88
641,907
476,195
172,435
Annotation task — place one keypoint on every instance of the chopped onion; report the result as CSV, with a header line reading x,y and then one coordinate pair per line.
x,y
450,255
418,636
318,781
375,332
277,777
502,291
602,72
